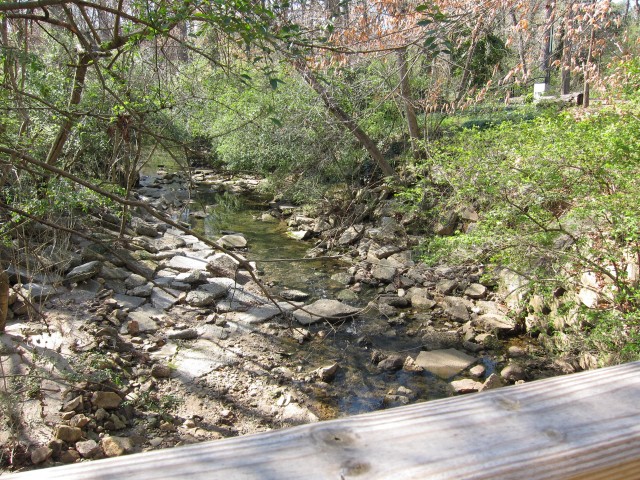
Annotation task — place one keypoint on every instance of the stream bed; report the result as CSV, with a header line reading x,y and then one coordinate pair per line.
x,y
359,386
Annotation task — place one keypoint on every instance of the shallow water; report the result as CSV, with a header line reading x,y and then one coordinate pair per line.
x,y
359,385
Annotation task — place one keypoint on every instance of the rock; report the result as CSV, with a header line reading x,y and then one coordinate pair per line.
x,y
68,434
444,363
79,421
186,334
515,351
327,373
69,456
187,264
393,400
195,276
445,287
41,455
324,309
350,235
145,317
84,272
300,234
294,295
267,217
116,446
106,400
456,309
165,299
384,273
88,449
258,314
421,299
36,293
391,363
475,291
513,372
342,278
141,291
74,404
394,301
231,241
127,301
492,381
438,340
490,321
134,280
477,371
466,385
468,214
161,371
143,228
101,414
205,297
222,264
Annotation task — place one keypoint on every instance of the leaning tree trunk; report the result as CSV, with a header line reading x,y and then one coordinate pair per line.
x,y
4,299
74,100
345,119
410,113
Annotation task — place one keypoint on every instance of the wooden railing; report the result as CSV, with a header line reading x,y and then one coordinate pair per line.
x,y
582,426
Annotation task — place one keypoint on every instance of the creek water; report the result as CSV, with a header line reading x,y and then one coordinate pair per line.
x,y
360,386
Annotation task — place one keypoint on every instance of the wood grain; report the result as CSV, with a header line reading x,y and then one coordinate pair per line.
x,y
582,426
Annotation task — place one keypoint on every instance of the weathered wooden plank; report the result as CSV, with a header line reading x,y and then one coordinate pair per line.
x,y
575,427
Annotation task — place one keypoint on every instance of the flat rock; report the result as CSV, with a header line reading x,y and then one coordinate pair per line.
x,y
466,385
195,276
37,293
257,314
164,299
202,357
324,309
84,271
187,264
476,291
491,321
513,372
128,301
444,363
145,317
186,334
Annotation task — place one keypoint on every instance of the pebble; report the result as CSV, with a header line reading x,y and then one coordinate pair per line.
x,y
68,434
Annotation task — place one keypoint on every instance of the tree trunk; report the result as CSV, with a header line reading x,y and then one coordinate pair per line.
x,y
74,100
405,92
546,45
521,53
567,47
4,299
345,119
585,91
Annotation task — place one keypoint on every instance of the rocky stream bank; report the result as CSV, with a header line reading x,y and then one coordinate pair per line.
x,y
155,339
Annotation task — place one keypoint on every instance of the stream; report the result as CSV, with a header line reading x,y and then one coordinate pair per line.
x,y
359,386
